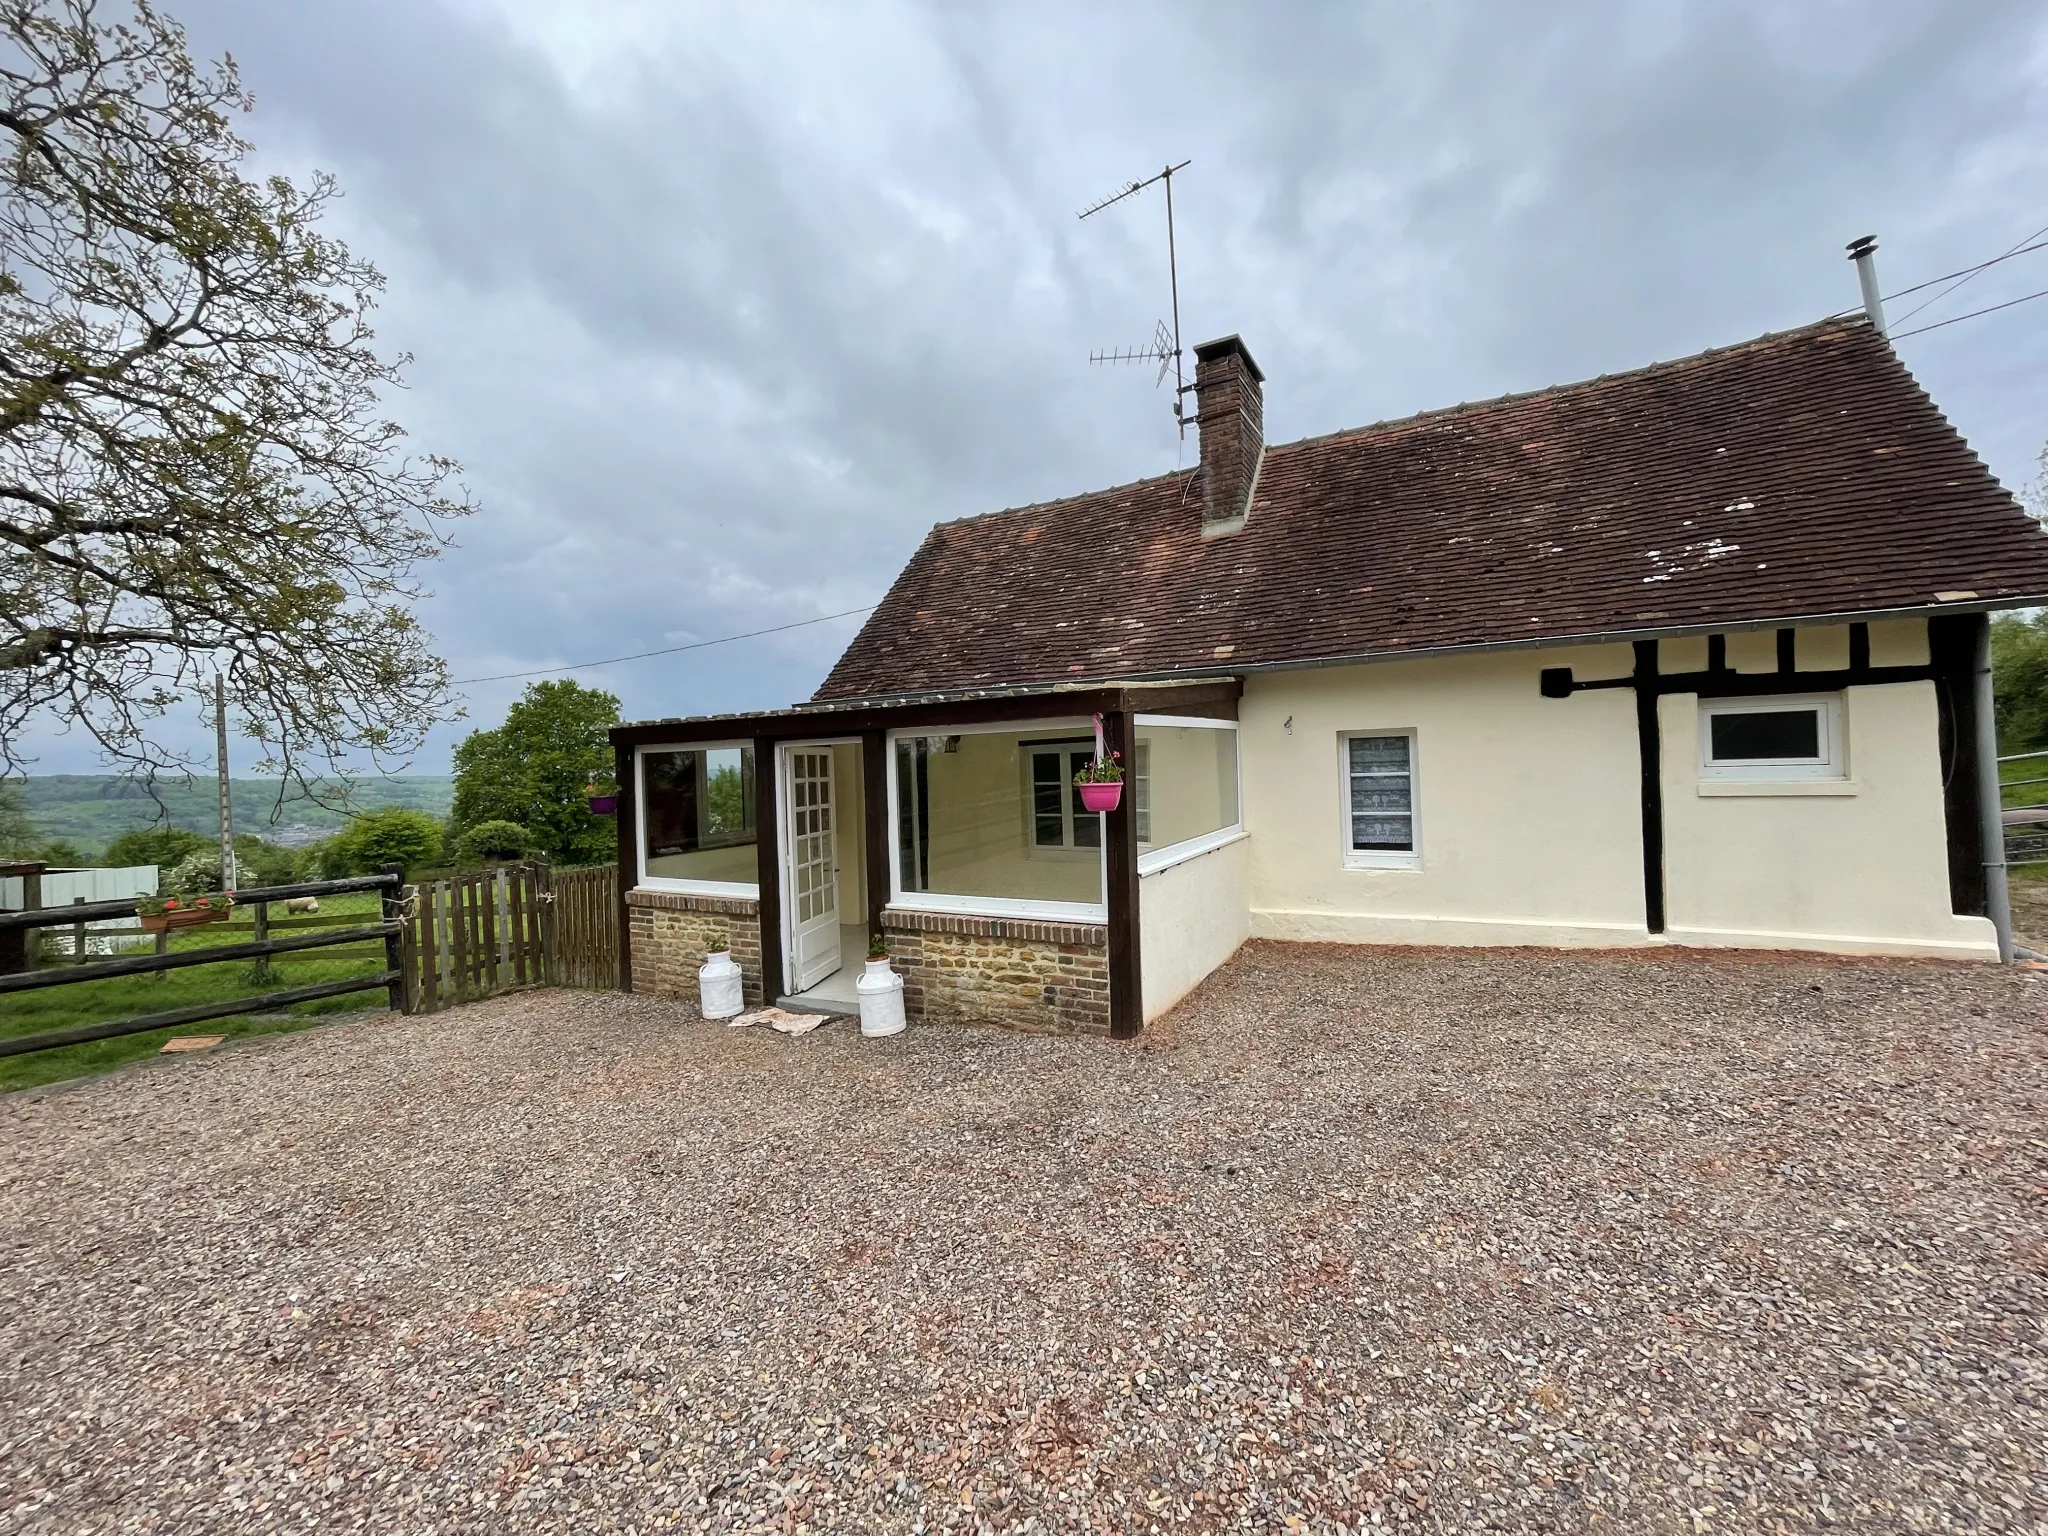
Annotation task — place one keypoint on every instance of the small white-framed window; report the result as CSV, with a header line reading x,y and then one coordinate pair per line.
x,y
1773,738
1382,826
1060,824
695,809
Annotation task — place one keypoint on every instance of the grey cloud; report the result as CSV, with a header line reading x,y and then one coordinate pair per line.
x,y
721,327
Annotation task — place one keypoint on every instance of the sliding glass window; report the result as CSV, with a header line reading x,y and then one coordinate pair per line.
x,y
1184,787
990,821
696,814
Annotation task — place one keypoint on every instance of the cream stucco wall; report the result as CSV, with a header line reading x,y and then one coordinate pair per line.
x,y
1191,918
1529,819
1859,866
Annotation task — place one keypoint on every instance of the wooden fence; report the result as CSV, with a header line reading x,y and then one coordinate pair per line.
x,y
381,938
519,925
440,943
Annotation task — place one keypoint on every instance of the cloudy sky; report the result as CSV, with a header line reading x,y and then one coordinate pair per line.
x,y
723,305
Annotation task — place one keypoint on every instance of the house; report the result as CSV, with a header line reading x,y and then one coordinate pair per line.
x,y
1690,655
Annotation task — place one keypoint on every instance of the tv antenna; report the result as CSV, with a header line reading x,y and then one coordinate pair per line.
x,y
1164,348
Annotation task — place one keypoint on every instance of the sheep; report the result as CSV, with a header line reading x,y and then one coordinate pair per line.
x,y
303,904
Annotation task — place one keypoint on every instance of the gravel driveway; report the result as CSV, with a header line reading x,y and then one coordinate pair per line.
x,y
1359,1239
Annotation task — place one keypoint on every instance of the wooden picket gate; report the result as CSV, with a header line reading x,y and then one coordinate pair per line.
x,y
586,914
518,925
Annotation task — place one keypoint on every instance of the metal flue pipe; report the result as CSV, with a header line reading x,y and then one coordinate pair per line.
x,y
1863,251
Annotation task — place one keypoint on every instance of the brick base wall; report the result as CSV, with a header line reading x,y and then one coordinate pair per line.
x,y
670,935
1047,978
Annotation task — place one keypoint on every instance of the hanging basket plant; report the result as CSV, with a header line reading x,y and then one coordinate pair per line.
x,y
603,796
1101,782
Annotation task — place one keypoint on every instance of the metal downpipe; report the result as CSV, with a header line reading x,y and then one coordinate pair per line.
x,y
1990,804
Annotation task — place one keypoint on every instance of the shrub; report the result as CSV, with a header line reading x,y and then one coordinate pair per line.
x,y
193,875
390,836
491,840
164,847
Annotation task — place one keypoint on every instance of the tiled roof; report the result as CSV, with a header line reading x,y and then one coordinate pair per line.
x,y
1803,474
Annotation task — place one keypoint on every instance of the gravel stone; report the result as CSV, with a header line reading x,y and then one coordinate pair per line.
x,y
1356,1240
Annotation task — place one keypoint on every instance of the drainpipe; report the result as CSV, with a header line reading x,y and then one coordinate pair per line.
x,y
1863,251
1990,805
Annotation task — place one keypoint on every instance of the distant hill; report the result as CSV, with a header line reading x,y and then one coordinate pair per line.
x,y
92,810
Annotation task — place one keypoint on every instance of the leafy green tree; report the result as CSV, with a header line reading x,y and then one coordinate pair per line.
x,y
196,472
17,832
2019,671
260,863
489,840
534,771
394,835
161,846
21,839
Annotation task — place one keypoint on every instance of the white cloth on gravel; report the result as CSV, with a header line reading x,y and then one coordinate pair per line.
x,y
777,1019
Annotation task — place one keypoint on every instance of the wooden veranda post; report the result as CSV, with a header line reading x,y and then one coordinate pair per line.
x,y
628,812
874,786
767,864
1120,858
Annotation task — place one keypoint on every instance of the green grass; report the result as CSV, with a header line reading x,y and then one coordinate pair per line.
x,y
123,997
2012,777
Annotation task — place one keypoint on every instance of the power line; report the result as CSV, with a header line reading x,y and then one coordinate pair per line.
x,y
1973,314
695,645
2032,242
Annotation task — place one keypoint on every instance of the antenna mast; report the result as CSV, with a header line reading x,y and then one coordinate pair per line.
x,y
1165,348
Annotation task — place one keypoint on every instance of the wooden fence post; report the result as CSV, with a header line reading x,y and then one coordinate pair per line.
x,y
261,931
394,948
78,955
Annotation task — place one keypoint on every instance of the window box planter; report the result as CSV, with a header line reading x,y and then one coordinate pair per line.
x,y
1101,796
181,917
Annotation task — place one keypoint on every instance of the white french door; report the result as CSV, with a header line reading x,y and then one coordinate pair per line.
x,y
813,873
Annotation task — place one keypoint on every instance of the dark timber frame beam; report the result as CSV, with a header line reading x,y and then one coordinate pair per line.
x,y
874,788
768,866
629,855
1950,642
1120,873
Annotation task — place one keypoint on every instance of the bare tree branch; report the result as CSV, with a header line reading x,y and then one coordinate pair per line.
x,y
195,471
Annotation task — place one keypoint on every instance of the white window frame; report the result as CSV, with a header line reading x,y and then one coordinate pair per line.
x,y
989,906
1376,858
1152,860
744,890
1066,851
1832,765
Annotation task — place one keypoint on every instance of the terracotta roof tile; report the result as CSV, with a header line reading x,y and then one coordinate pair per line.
x,y
1801,474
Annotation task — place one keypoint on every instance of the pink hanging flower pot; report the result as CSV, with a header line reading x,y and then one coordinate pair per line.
x,y
1100,796
1102,782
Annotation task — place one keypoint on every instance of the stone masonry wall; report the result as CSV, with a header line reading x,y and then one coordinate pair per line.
x,y
671,933
1046,978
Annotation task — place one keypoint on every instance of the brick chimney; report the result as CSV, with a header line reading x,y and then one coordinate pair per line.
x,y
1231,409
